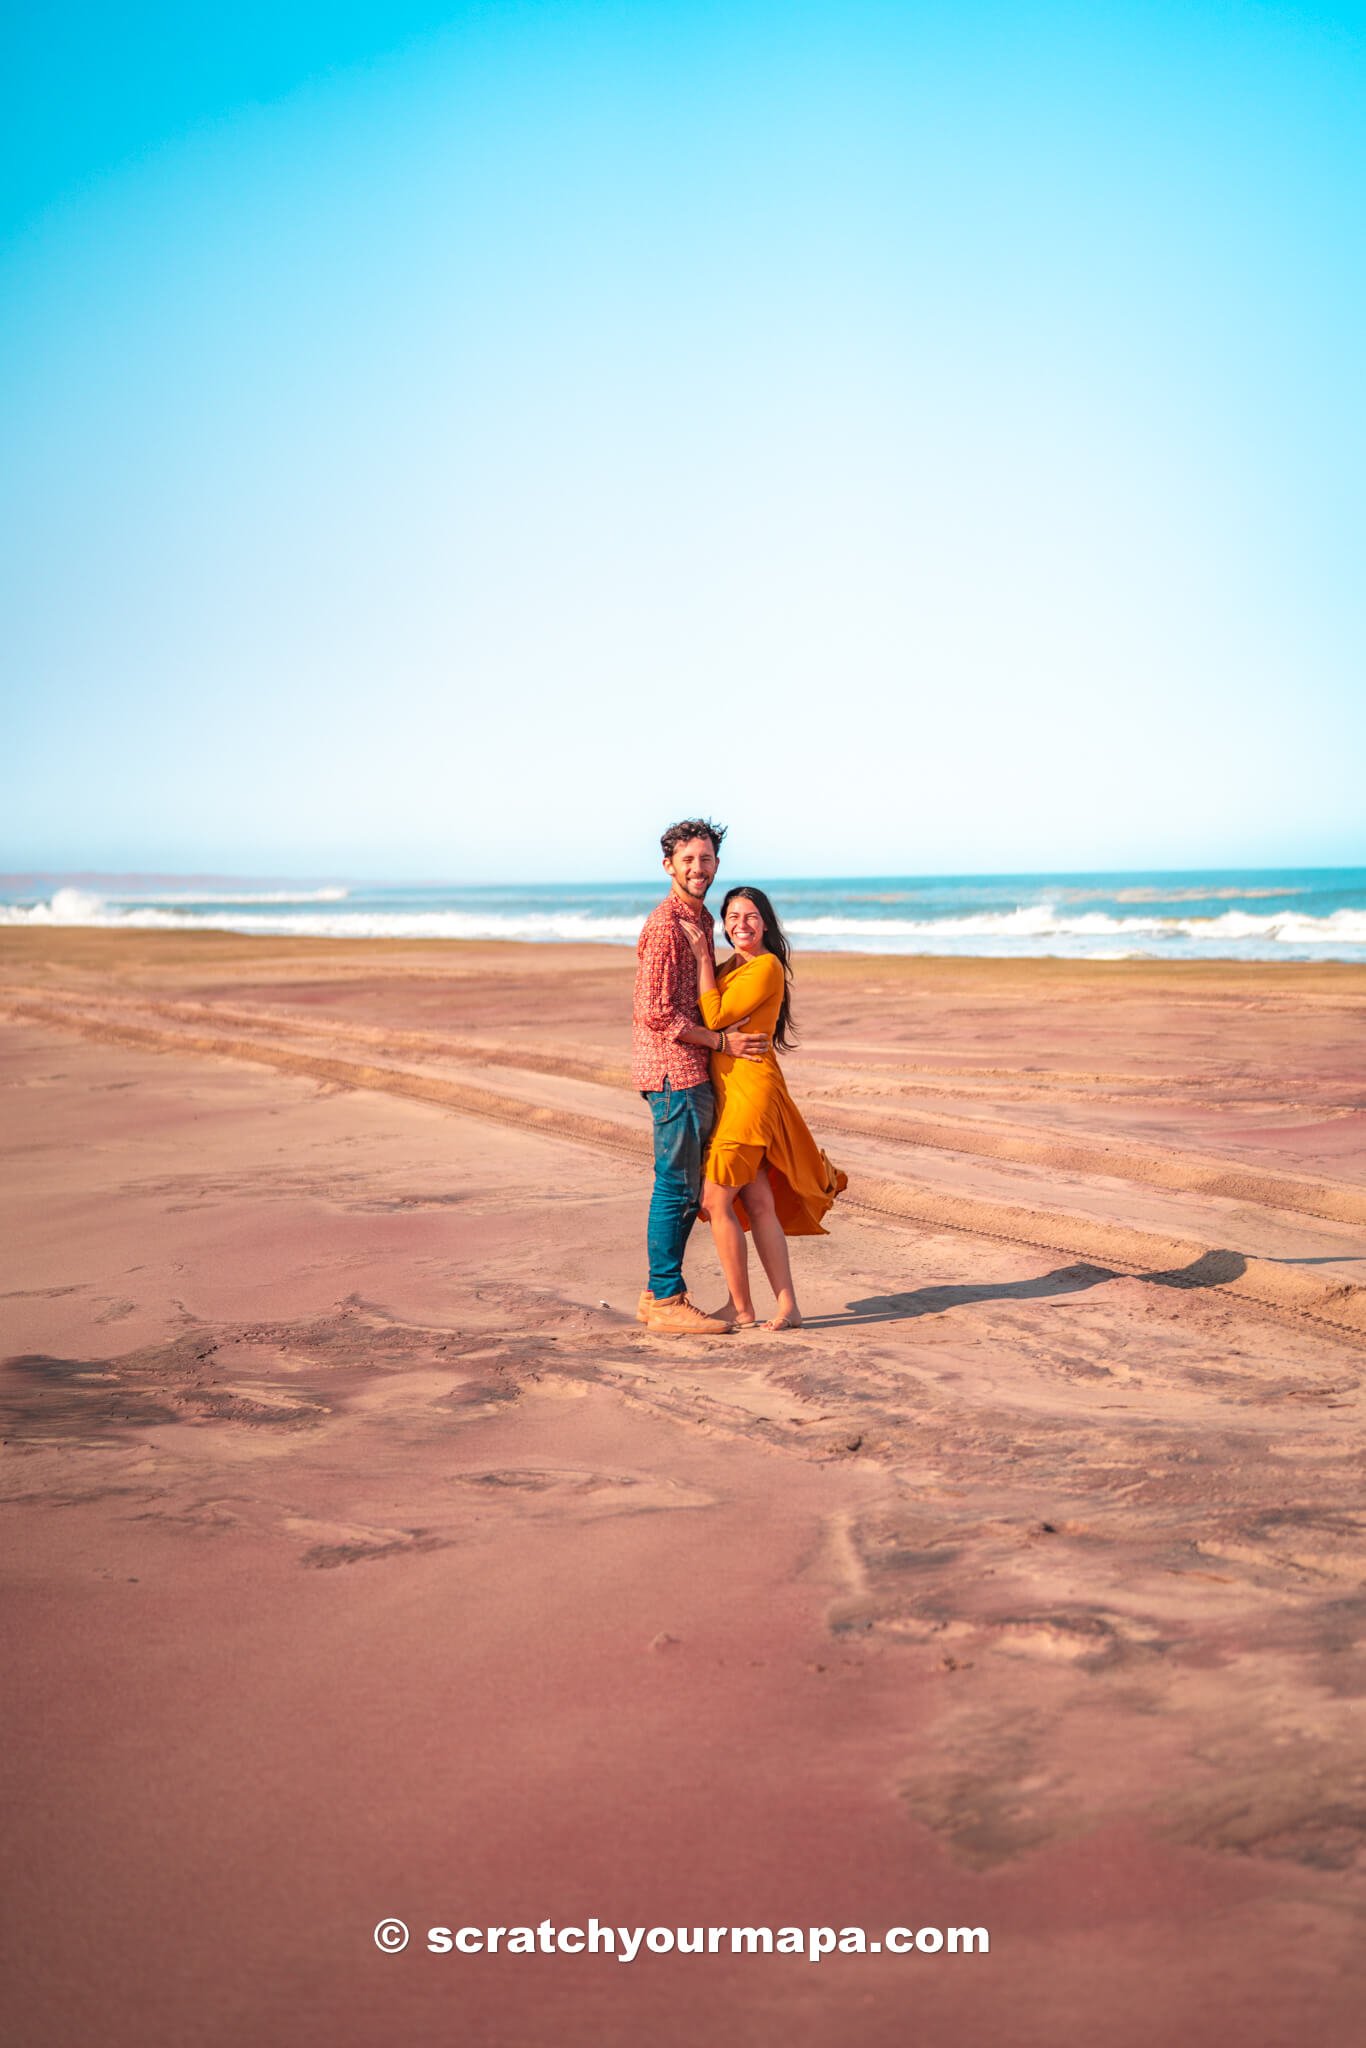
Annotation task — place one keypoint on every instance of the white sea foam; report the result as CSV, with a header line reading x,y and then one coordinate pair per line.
x,y
1031,928
79,907
65,906
227,896
568,926
1042,921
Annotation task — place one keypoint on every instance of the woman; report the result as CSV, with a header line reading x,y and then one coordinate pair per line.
x,y
764,1171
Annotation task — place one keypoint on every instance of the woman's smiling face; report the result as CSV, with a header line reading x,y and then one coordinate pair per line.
x,y
744,926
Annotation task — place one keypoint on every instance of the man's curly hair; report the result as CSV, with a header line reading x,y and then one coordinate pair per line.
x,y
692,828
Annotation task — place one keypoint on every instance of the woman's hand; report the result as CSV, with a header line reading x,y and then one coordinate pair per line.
x,y
700,940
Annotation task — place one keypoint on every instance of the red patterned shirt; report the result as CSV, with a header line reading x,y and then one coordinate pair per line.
x,y
666,999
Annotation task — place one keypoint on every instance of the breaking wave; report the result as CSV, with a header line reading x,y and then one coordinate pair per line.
x,y
1042,921
1037,928
148,913
229,896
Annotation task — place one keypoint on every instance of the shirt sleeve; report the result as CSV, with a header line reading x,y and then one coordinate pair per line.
x,y
740,992
660,987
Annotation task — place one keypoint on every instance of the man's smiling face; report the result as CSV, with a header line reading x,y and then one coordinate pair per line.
x,y
692,868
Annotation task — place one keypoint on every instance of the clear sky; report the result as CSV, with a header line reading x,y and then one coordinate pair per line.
x,y
453,441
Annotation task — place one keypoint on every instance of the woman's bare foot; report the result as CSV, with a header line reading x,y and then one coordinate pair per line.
x,y
741,1318
787,1316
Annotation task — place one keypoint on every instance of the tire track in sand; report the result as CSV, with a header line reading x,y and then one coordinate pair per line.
x,y
1260,1284
1142,1165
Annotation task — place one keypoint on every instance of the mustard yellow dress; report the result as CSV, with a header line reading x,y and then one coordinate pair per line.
x,y
756,1118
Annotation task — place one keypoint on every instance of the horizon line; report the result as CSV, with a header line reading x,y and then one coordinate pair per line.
x,y
338,878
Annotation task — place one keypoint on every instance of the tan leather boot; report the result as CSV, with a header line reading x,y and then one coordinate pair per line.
x,y
678,1318
644,1305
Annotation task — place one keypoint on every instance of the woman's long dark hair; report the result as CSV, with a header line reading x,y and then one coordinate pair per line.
x,y
775,942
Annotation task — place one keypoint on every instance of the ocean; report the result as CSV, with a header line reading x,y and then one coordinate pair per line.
x,y
1241,914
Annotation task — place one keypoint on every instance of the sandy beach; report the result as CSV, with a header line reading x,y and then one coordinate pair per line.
x,y
365,1558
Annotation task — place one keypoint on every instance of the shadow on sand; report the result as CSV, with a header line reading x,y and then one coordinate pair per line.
x,y
1211,1269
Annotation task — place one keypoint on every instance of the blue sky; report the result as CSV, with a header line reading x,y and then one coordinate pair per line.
x,y
452,441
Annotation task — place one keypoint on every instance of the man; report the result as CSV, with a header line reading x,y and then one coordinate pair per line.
x,y
670,1067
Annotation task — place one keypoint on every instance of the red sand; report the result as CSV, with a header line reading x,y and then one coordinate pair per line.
x,y
361,1563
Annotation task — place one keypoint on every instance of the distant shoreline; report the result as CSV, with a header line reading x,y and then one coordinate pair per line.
x,y
1213,914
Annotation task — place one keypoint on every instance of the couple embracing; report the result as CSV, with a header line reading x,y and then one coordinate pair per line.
x,y
729,1142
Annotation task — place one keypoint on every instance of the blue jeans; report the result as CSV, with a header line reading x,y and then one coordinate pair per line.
x,y
682,1124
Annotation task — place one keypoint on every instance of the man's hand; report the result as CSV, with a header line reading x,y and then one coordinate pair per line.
x,y
742,1044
